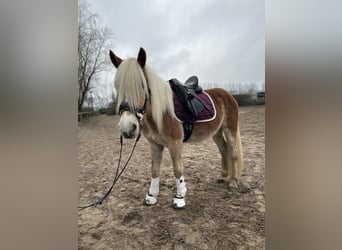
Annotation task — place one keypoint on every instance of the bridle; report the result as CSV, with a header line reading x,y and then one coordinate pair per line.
x,y
138,112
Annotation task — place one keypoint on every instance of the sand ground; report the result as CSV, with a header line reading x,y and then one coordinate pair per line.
x,y
214,218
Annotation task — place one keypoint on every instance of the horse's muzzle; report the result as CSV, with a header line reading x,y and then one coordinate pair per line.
x,y
132,133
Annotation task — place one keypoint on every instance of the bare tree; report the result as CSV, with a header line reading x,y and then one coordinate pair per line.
x,y
251,88
93,44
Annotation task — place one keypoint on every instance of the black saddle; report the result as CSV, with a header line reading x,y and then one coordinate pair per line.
x,y
192,83
187,95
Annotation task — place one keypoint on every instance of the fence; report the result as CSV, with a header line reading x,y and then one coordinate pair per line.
x,y
86,114
248,99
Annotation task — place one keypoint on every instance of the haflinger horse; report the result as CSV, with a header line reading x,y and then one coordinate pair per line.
x,y
146,105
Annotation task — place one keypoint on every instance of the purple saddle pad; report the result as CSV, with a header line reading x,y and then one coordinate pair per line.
x,y
204,116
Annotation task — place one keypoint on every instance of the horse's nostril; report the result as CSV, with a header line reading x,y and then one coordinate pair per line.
x,y
134,127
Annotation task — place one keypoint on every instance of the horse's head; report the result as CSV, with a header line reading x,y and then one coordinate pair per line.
x,y
133,93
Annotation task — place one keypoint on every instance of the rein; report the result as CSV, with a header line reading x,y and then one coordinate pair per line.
x,y
117,175
139,113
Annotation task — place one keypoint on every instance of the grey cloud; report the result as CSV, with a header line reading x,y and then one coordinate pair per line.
x,y
220,40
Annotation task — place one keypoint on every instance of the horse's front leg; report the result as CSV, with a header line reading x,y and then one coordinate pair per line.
x,y
175,153
157,154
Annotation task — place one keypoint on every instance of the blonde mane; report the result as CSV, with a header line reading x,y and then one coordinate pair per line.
x,y
132,87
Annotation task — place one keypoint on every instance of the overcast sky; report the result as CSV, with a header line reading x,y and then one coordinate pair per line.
x,y
217,40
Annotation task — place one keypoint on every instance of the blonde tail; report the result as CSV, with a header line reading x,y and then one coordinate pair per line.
x,y
238,147
240,163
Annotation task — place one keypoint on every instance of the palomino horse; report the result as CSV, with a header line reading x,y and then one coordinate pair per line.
x,y
146,105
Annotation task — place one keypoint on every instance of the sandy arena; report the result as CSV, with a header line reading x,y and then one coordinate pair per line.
x,y
214,217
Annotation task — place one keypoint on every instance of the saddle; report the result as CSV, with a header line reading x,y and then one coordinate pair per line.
x,y
192,84
187,95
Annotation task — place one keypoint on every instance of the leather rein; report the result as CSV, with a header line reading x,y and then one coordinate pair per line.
x,y
139,113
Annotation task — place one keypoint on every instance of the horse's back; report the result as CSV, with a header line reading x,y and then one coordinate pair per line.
x,y
223,97
226,106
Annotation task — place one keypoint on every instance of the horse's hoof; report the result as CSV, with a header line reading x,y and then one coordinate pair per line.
x,y
233,183
178,202
150,200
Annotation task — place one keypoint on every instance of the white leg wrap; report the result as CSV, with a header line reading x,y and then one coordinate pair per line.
x,y
151,197
150,200
181,188
178,200
154,187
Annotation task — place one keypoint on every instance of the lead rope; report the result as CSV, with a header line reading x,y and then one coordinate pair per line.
x,y
117,175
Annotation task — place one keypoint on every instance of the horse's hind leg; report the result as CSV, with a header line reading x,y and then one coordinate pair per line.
x,y
223,148
232,158
157,154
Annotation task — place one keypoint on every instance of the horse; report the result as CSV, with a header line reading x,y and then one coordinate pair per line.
x,y
145,104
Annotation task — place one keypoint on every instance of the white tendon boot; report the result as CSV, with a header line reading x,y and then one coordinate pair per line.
x,y
151,197
178,200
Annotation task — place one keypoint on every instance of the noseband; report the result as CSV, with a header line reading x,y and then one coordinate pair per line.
x,y
138,112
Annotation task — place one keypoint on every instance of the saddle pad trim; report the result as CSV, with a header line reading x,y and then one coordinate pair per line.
x,y
205,120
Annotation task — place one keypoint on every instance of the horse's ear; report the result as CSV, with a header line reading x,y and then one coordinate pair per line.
x,y
115,59
142,57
